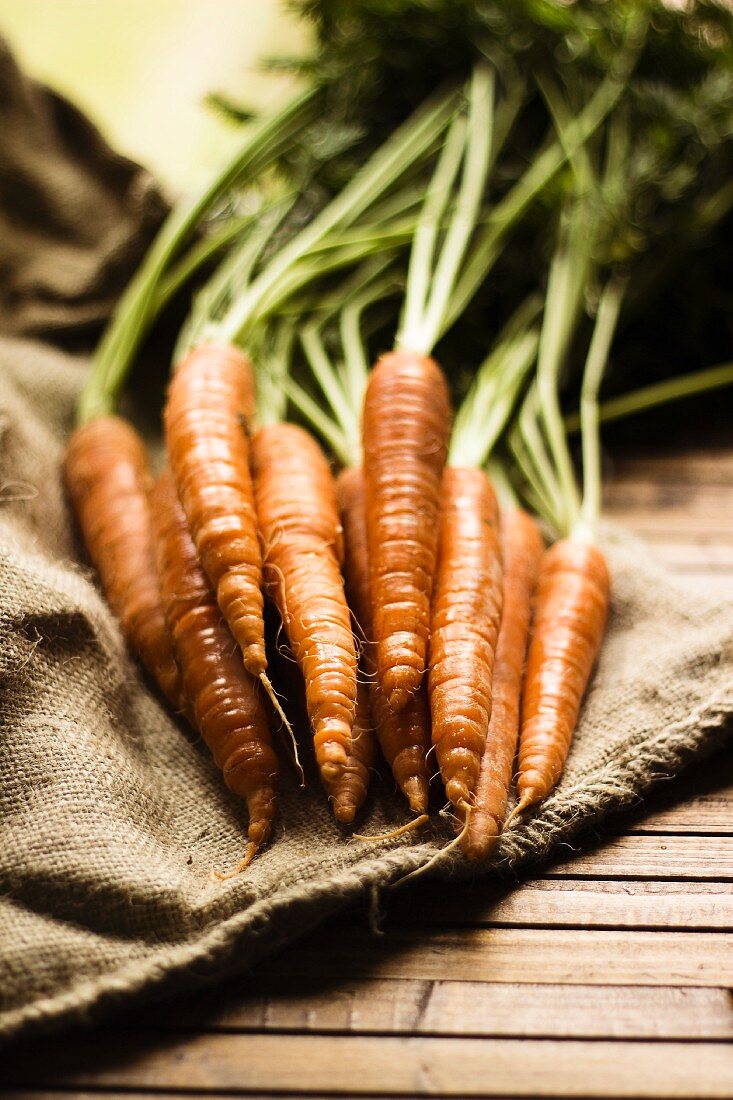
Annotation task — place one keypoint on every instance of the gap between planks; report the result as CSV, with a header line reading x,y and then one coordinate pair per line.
x,y
350,1065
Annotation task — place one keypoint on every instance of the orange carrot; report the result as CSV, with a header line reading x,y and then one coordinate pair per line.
x,y
521,545
301,532
228,710
406,426
405,737
109,481
349,790
569,623
210,402
465,622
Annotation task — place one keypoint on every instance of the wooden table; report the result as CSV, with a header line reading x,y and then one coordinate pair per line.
x,y
607,976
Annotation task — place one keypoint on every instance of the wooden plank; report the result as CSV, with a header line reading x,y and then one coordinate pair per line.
x,y
548,903
709,813
516,955
696,499
446,1008
307,1065
712,466
643,857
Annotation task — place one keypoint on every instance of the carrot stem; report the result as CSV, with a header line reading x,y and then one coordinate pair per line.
x,y
606,320
139,305
413,140
658,394
426,324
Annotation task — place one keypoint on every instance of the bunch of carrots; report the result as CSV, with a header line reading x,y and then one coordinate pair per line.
x,y
402,547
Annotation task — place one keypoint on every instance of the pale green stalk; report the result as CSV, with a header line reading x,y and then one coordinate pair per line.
x,y
356,365
275,368
509,210
482,414
426,235
197,258
540,498
329,381
421,338
658,394
563,303
546,482
607,316
503,487
137,309
337,440
413,140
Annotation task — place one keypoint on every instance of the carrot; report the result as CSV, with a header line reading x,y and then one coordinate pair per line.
x,y
405,737
570,620
464,627
228,710
348,790
406,426
210,402
108,479
521,545
301,533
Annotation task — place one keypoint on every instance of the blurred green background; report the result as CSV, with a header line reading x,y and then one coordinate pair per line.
x,y
142,68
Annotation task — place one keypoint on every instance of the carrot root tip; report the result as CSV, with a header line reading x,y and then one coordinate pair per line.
x,y
251,852
415,790
433,861
344,811
272,695
524,803
409,827
458,793
398,698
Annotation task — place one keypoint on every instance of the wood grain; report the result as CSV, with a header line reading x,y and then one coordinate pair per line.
x,y
545,956
314,1065
547,903
444,1007
687,857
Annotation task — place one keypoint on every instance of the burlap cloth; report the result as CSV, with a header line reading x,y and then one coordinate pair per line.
x,y
110,819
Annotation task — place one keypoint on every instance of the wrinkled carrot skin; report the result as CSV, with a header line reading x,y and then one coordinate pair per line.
x,y
228,710
571,609
349,790
406,425
404,737
464,627
521,546
109,482
210,400
303,549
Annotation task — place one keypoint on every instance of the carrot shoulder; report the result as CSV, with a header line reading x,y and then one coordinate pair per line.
x,y
465,622
404,737
228,709
571,609
407,420
109,482
521,545
301,533
210,401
